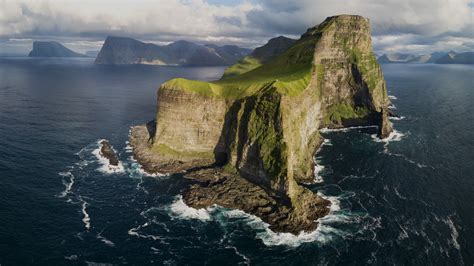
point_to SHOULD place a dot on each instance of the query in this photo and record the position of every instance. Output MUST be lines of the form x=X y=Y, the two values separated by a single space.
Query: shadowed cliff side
x=249 y=139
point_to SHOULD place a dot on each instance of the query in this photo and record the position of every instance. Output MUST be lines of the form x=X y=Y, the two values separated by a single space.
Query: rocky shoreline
x=217 y=185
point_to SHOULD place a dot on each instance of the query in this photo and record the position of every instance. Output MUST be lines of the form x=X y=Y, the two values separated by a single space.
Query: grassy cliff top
x=290 y=72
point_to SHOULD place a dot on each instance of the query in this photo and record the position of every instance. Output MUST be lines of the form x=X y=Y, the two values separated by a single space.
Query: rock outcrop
x=121 y=50
x=52 y=49
x=248 y=140
x=108 y=153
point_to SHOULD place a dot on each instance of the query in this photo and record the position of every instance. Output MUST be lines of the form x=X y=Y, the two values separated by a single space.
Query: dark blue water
x=406 y=201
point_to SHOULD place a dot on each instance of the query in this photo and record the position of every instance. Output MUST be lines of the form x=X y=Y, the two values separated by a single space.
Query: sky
x=407 y=26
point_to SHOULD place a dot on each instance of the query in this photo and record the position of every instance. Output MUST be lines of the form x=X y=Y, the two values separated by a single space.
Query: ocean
x=404 y=201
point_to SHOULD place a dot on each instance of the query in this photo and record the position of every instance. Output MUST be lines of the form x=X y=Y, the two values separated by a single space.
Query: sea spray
x=224 y=216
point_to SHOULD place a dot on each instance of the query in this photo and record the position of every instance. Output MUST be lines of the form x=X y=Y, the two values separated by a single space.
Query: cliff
x=248 y=140
x=120 y=50
x=52 y=49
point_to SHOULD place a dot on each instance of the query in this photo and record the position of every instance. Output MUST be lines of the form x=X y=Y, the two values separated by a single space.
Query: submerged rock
x=248 y=140
x=108 y=152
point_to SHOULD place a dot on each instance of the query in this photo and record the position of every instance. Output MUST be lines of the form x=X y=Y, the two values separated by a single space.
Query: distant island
x=247 y=141
x=121 y=50
x=52 y=49
x=433 y=58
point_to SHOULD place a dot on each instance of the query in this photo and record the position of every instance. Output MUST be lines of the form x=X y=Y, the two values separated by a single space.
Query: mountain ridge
x=123 y=50
x=52 y=49
x=433 y=58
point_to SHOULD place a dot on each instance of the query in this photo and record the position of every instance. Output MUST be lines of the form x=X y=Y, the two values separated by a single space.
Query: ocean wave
x=395 y=135
x=135 y=232
x=106 y=167
x=391 y=97
x=72 y=257
x=105 y=240
x=396 y=118
x=181 y=210
x=404 y=157
x=135 y=169
x=398 y=194
x=67 y=184
x=238 y=253
x=318 y=168
x=86 y=219
x=324 y=233
x=454 y=233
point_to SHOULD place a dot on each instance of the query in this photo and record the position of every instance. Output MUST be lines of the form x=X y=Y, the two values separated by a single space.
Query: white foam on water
x=454 y=233
x=344 y=129
x=391 y=97
x=395 y=135
x=86 y=220
x=398 y=194
x=269 y=237
x=106 y=167
x=404 y=157
x=136 y=168
x=105 y=240
x=72 y=257
x=317 y=169
x=67 y=185
x=238 y=253
x=323 y=234
x=392 y=107
x=134 y=232
x=181 y=210
x=396 y=118
x=327 y=142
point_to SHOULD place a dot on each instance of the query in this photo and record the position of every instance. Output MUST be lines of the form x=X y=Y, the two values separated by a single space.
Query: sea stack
x=248 y=140
x=108 y=153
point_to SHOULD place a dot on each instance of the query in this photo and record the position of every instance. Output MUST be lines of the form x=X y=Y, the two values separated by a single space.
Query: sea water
x=404 y=200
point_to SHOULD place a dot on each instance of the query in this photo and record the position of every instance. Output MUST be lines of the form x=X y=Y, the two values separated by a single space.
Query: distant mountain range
x=52 y=49
x=121 y=50
x=434 y=58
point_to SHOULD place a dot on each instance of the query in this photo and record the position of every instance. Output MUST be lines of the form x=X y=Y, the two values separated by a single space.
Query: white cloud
x=397 y=24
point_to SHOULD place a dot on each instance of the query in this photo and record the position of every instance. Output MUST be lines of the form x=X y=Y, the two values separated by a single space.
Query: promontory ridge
x=248 y=140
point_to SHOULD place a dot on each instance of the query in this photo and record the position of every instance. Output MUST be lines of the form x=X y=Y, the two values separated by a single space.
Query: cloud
x=397 y=24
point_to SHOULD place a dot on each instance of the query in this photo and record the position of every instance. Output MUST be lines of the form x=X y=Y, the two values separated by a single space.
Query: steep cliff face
x=263 y=125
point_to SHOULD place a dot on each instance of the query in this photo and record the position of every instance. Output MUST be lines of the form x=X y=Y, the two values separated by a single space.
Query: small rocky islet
x=248 y=140
x=108 y=153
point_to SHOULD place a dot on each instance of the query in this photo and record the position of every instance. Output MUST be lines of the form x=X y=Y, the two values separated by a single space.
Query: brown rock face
x=107 y=151
x=249 y=149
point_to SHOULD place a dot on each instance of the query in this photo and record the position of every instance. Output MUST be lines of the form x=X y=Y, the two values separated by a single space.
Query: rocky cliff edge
x=249 y=140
